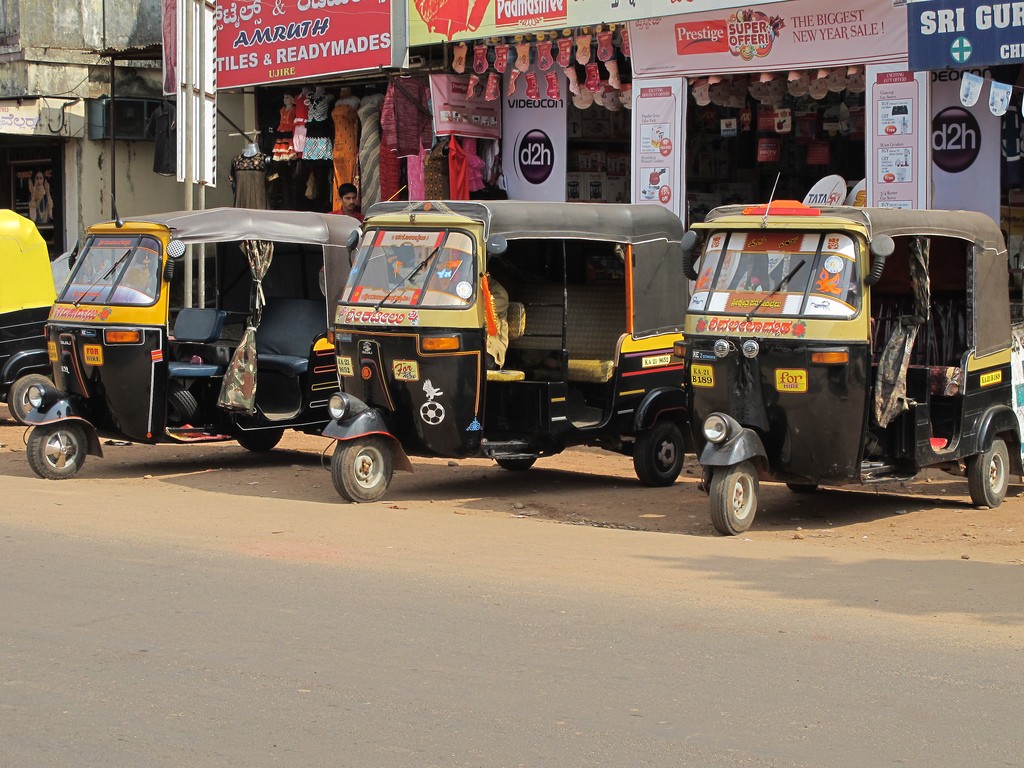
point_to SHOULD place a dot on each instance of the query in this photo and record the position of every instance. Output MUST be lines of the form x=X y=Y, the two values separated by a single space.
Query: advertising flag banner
x=964 y=33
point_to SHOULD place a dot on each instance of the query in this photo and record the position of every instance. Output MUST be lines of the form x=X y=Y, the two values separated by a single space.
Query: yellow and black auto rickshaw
x=849 y=345
x=191 y=327
x=26 y=295
x=596 y=300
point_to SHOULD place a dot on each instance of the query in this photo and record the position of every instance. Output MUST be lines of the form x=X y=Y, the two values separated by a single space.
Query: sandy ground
x=930 y=517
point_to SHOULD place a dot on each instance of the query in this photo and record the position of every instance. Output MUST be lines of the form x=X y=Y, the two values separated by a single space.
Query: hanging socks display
x=493 y=89
x=582 y=49
x=625 y=43
x=480 y=58
x=553 y=91
x=459 y=62
x=544 y=60
x=532 y=86
x=613 y=74
x=564 y=51
x=604 y=46
x=522 y=56
x=501 y=57
x=574 y=83
x=593 y=77
x=474 y=80
x=512 y=79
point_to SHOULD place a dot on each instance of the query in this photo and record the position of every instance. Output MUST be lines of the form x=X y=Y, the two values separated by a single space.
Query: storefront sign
x=659 y=114
x=432 y=21
x=793 y=34
x=897 y=136
x=20 y=117
x=533 y=146
x=260 y=43
x=965 y=150
x=947 y=33
x=458 y=113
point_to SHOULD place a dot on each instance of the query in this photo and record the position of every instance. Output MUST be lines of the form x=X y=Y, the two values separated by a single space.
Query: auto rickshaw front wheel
x=658 y=454
x=517 y=464
x=733 y=497
x=988 y=475
x=361 y=469
x=57 y=451
x=260 y=441
x=17 y=395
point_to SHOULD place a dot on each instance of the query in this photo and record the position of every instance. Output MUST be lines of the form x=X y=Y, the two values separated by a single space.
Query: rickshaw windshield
x=794 y=274
x=115 y=270
x=421 y=268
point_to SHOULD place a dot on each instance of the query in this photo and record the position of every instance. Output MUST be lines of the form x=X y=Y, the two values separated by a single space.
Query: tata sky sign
x=947 y=33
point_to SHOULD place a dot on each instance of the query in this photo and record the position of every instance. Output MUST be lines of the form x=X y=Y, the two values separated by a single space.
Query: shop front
x=769 y=100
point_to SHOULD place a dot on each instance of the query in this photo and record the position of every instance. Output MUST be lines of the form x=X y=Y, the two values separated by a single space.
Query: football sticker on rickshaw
x=464 y=290
x=702 y=375
x=406 y=370
x=432 y=412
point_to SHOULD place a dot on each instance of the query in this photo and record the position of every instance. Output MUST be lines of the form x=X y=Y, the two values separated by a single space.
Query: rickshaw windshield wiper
x=407 y=278
x=106 y=275
x=776 y=289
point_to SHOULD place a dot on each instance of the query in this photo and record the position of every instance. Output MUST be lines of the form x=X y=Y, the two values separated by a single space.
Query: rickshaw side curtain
x=891 y=382
x=238 y=392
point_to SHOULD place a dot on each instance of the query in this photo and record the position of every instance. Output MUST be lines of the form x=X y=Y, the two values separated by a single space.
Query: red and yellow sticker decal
x=406 y=370
x=92 y=354
x=790 y=380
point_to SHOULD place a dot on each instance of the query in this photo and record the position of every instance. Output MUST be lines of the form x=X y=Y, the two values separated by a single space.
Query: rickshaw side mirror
x=175 y=251
x=690 y=243
x=882 y=247
x=496 y=245
x=353 y=239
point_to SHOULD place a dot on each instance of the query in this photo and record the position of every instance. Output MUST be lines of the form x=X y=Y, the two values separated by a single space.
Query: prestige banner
x=261 y=43
x=432 y=21
x=796 y=34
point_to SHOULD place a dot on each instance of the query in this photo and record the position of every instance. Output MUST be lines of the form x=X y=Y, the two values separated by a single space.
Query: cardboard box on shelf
x=592 y=187
x=591 y=159
x=573 y=187
x=617 y=163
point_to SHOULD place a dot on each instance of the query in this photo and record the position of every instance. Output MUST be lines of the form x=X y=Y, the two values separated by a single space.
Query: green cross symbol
x=960 y=50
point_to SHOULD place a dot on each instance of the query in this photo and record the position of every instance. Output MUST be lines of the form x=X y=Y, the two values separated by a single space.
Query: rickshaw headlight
x=35 y=396
x=722 y=348
x=337 y=406
x=716 y=428
x=750 y=348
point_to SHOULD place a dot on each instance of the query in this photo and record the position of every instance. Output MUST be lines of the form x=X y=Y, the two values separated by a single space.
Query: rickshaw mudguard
x=369 y=422
x=657 y=402
x=65 y=409
x=745 y=445
x=23 y=363
x=997 y=420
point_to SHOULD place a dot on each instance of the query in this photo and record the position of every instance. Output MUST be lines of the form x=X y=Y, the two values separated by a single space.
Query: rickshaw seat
x=516 y=320
x=287 y=331
x=506 y=375
x=196 y=325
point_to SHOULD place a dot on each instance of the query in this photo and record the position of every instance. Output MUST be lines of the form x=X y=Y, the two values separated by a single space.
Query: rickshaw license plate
x=406 y=370
x=92 y=354
x=345 y=366
x=702 y=375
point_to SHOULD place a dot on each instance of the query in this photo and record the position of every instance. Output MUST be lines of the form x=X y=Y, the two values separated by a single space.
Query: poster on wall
x=659 y=114
x=34 y=195
x=457 y=112
x=965 y=145
x=797 y=34
x=897 y=135
x=533 y=144
x=261 y=43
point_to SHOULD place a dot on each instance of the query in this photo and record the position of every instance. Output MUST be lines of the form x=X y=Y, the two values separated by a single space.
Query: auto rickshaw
x=832 y=346
x=26 y=295
x=597 y=297
x=190 y=327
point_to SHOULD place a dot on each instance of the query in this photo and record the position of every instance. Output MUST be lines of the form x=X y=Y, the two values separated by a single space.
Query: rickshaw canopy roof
x=25 y=262
x=519 y=219
x=222 y=225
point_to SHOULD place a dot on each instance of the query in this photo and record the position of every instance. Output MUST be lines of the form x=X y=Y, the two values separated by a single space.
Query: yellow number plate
x=406 y=370
x=790 y=380
x=345 y=366
x=988 y=379
x=702 y=376
x=93 y=354
x=655 y=361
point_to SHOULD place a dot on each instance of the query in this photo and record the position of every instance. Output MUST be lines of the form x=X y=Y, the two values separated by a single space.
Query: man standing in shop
x=349 y=196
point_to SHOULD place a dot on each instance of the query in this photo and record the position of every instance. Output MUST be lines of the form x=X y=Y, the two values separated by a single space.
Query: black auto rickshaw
x=191 y=327
x=26 y=295
x=596 y=303
x=849 y=345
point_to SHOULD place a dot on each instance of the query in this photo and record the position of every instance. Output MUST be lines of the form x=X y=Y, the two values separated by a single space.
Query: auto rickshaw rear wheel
x=57 y=451
x=658 y=454
x=518 y=464
x=17 y=395
x=988 y=475
x=361 y=469
x=260 y=441
x=734 y=497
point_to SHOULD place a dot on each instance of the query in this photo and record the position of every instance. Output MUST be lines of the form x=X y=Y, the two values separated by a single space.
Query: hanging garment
x=319 y=129
x=284 y=149
x=475 y=165
x=162 y=126
x=346 y=143
x=405 y=118
x=414 y=172
x=369 y=149
x=458 y=171
x=249 y=180
x=301 y=117
x=436 y=173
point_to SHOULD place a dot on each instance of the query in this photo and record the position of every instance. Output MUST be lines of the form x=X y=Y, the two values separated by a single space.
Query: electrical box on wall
x=131 y=117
